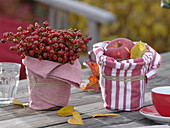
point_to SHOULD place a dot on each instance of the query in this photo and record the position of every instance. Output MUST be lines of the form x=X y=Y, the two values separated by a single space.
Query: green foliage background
x=137 y=20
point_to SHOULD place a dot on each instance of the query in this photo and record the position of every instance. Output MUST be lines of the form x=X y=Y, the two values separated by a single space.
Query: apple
x=119 y=48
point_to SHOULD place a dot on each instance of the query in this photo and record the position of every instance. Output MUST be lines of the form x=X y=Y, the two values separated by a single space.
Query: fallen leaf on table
x=93 y=84
x=138 y=50
x=104 y=115
x=66 y=111
x=94 y=68
x=77 y=119
x=16 y=102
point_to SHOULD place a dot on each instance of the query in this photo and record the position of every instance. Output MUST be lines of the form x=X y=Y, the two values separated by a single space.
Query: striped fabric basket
x=123 y=82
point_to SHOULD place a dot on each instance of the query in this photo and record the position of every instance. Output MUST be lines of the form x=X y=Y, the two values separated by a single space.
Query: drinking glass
x=9 y=79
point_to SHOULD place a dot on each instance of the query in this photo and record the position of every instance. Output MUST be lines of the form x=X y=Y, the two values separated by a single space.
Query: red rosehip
x=23 y=56
x=60 y=52
x=18 y=33
x=71 y=62
x=45 y=23
x=66 y=54
x=83 y=47
x=89 y=38
x=78 y=50
x=50 y=42
x=29 y=45
x=22 y=37
x=45 y=55
x=73 y=34
x=33 y=46
x=40 y=57
x=41 y=44
x=31 y=53
x=33 y=33
x=50 y=35
x=55 y=39
x=52 y=52
x=37 y=25
x=3 y=41
x=6 y=34
x=54 y=57
x=36 y=43
x=66 y=49
x=9 y=39
x=77 y=56
x=11 y=33
x=36 y=37
x=45 y=34
x=41 y=47
x=61 y=45
x=48 y=28
x=24 y=45
x=85 y=40
x=51 y=56
x=48 y=48
x=55 y=46
x=18 y=46
x=79 y=35
x=25 y=32
x=42 y=29
x=70 y=48
x=29 y=28
x=70 y=58
x=71 y=52
x=74 y=42
x=59 y=59
x=12 y=48
x=39 y=52
x=44 y=40
x=57 y=34
x=19 y=28
x=64 y=60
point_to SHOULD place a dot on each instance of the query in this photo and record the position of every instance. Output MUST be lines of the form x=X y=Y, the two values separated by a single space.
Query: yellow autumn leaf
x=77 y=119
x=16 y=102
x=138 y=50
x=66 y=111
x=104 y=115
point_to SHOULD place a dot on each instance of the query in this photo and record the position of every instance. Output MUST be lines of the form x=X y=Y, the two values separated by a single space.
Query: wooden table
x=86 y=103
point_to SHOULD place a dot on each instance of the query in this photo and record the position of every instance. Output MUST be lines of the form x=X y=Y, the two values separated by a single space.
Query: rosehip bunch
x=45 y=43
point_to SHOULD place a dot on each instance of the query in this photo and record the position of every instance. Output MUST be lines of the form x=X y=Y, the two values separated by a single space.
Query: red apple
x=119 y=48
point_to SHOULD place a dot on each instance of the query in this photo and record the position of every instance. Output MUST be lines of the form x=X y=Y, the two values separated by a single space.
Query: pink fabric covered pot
x=50 y=82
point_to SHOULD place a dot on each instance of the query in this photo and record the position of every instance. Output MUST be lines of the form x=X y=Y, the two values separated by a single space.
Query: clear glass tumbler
x=9 y=79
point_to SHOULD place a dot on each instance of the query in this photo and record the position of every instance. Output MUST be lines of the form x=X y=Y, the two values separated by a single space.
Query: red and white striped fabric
x=123 y=83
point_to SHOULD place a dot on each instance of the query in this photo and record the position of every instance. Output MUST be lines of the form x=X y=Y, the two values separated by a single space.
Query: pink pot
x=50 y=82
x=46 y=93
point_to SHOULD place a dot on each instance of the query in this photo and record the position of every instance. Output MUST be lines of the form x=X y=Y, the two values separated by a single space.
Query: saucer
x=151 y=113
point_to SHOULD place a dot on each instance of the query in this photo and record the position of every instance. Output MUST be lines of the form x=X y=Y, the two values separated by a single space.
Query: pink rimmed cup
x=161 y=100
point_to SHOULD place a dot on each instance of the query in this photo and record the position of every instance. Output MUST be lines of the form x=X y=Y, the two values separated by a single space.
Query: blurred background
x=143 y=20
